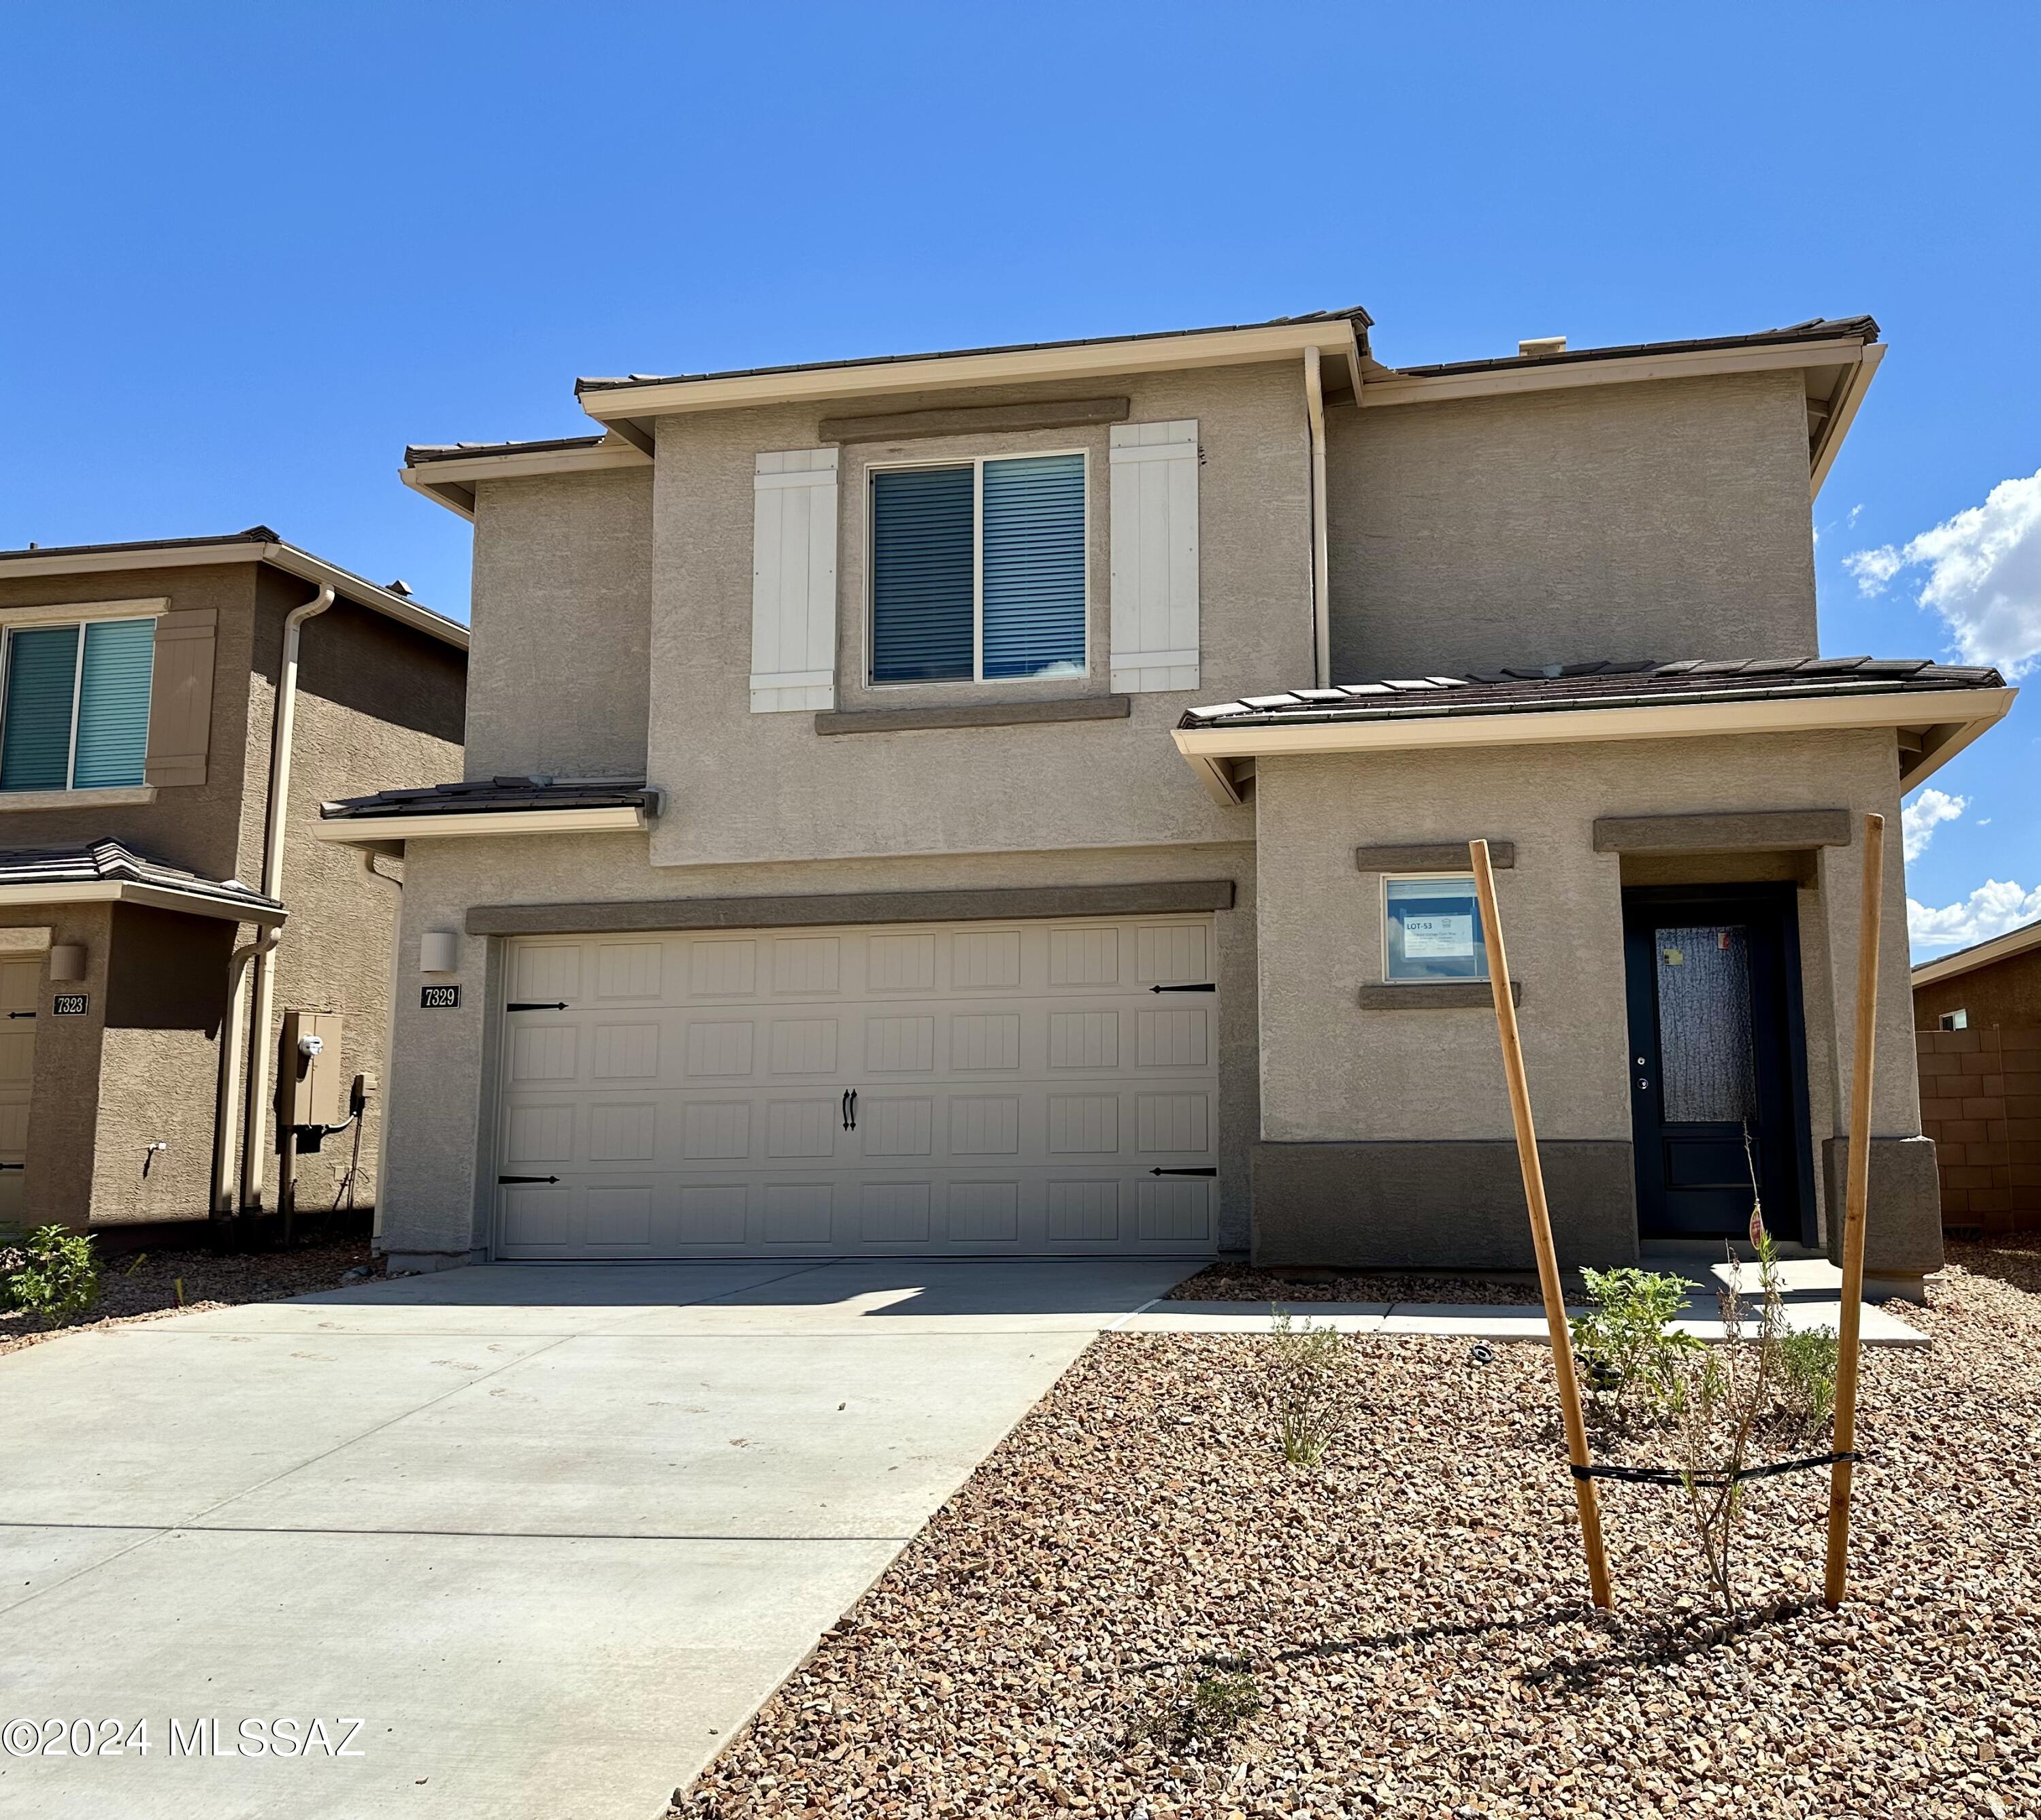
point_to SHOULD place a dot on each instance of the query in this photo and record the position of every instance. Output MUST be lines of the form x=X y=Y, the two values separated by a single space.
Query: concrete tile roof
x=110 y=862
x=1544 y=689
x=496 y=796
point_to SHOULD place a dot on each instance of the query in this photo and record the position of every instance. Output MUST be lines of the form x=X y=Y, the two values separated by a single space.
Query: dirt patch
x=144 y=1287
x=1241 y=1282
x=1134 y=1607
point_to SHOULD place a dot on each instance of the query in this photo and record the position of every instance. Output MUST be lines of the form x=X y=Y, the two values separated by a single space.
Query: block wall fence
x=1980 y=1102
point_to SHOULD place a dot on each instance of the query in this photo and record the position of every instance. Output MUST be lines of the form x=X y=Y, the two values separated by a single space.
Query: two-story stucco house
x=171 y=716
x=1017 y=800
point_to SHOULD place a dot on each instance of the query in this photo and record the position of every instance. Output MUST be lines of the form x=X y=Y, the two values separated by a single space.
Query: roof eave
x=135 y=892
x=287 y=557
x=451 y=480
x=1948 y=720
x=1980 y=954
x=1395 y=387
x=627 y=409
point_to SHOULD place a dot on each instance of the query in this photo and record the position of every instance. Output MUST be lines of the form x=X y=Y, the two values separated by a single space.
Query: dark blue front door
x=1716 y=1055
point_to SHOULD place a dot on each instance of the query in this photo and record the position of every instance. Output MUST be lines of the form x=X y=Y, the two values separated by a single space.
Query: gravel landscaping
x=1135 y=1608
x=144 y=1287
x=1242 y=1283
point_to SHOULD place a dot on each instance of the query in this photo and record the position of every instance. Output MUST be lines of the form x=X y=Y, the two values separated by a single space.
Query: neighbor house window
x=74 y=712
x=977 y=570
x=1432 y=928
x=1955 y=1019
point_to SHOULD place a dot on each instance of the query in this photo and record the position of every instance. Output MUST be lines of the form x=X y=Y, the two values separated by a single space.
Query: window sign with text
x=1432 y=928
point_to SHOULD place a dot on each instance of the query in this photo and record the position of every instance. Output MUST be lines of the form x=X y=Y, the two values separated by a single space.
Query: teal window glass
x=114 y=704
x=1433 y=930
x=35 y=731
x=76 y=711
x=1034 y=566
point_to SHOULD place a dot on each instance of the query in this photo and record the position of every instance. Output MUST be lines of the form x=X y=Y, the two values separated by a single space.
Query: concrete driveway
x=522 y=1540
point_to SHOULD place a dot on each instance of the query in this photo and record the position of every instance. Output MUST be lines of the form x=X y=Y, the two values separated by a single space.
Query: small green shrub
x=58 y=1276
x=1628 y=1347
x=1805 y=1391
x=1221 y=1704
x=1213 y=1708
x=1312 y=1387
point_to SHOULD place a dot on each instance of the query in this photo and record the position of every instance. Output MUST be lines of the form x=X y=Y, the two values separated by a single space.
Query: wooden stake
x=1856 y=1197
x=1541 y=1227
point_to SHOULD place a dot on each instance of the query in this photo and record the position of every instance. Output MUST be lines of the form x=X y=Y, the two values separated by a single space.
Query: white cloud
x=1920 y=818
x=1984 y=574
x=1994 y=907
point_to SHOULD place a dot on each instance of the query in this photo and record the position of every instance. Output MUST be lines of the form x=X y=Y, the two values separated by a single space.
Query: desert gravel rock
x=142 y=1286
x=1413 y=1613
x=1242 y=1283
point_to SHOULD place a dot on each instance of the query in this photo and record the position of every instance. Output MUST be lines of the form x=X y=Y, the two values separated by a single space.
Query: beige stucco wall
x=745 y=788
x=440 y=1146
x=559 y=676
x=1661 y=521
x=1333 y=1071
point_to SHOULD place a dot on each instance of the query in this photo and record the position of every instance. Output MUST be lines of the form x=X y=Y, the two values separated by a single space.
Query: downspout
x=254 y=1128
x=233 y=1029
x=1321 y=611
x=396 y=965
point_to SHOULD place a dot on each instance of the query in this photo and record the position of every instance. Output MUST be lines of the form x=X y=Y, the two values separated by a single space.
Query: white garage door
x=973 y=1089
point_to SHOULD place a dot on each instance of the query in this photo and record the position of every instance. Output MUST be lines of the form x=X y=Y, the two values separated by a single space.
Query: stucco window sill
x=1435 y=995
x=112 y=798
x=974 y=714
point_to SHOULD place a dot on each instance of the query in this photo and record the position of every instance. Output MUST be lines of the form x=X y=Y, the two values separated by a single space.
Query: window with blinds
x=74 y=708
x=977 y=570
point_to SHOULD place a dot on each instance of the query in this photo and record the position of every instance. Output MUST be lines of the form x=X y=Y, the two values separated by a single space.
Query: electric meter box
x=312 y=1087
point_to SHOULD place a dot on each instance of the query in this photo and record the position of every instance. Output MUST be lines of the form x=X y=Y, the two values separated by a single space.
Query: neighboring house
x=1994 y=983
x=152 y=906
x=1017 y=800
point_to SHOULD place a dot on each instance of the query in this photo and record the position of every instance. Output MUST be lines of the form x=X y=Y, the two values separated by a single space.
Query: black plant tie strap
x=1671 y=1475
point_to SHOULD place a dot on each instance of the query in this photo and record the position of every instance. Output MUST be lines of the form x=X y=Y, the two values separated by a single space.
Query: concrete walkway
x=547 y=1533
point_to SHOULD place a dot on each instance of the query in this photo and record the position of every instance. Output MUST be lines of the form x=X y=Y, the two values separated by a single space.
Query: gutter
x=276 y=812
x=1321 y=611
x=361 y=830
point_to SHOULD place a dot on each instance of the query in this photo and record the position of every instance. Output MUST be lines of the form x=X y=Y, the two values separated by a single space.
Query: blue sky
x=252 y=251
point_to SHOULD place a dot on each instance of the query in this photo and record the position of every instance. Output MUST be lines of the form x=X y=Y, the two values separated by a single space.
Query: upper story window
x=1432 y=928
x=977 y=570
x=74 y=710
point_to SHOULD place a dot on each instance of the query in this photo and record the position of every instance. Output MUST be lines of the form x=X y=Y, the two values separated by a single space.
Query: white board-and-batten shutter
x=1154 y=556
x=793 y=581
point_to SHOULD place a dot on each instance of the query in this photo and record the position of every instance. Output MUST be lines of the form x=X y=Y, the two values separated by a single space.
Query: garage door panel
x=1014 y=1087
x=626 y=1052
x=719 y=1047
x=629 y=970
x=722 y=969
x=803 y=1046
x=801 y=1127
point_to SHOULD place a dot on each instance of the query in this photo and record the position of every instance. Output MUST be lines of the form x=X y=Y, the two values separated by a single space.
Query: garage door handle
x=1183 y=1172
x=12 y=1166
x=850 y=1110
x=536 y=1004
x=20 y=1014
x=1208 y=986
x=505 y=1178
